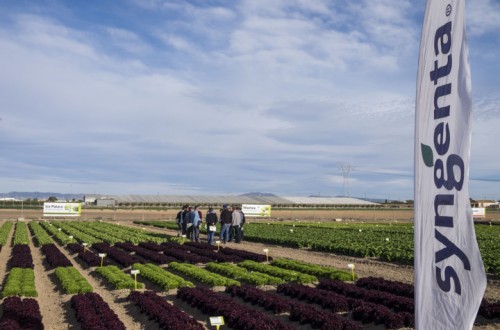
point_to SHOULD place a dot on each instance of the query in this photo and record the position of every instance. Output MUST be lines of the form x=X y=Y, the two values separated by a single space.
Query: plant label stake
x=351 y=266
x=135 y=272
x=84 y=247
x=102 y=255
x=266 y=251
x=70 y=238
x=216 y=321
x=218 y=245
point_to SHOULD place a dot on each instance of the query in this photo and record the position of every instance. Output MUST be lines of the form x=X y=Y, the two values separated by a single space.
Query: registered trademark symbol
x=448 y=10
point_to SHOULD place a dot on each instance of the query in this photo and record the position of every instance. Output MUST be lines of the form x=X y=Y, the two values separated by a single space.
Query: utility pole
x=345 y=169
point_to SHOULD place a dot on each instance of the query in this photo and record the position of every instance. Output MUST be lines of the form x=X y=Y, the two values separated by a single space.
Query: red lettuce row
x=398 y=303
x=321 y=319
x=246 y=255
x=186 y=256
x=74 y=247
x=381 y=284
x=94 y=313
x=123 y=258
x=150 y=255
x=374 y=313
x=236 y=315
x=55 y=258
x=92 y=259
x=151 y=246
x=21 y=314
x=21 y=257
x=327 y=299
x=489 y=310
x=269 y=301
x=167 y=315
x=203 y=250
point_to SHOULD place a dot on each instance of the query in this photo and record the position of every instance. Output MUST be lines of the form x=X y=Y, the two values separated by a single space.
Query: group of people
x=231 y=219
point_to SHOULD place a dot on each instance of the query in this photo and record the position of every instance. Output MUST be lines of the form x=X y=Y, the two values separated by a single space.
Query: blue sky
x=227 y=97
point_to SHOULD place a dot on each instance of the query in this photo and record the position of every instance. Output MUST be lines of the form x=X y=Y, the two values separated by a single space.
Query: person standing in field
x=211 y=219
x=242 y=233
x=197 y=220
x=235 y=225
x=179 y=220
x=189 y=219
x=225 y=219
x=184 y=219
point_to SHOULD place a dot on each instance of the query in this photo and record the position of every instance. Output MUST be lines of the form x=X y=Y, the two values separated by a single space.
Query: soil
x=57 y=313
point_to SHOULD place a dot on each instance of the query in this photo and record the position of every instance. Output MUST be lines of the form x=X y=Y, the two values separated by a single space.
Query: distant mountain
x=40 y=195
x=258 y=194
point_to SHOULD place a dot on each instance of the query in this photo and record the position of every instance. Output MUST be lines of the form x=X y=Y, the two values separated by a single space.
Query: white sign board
x=256 y=210
x=62 y=209
x=478 y=212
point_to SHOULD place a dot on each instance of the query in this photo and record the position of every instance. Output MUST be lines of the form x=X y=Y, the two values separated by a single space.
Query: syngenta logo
x=448 y=168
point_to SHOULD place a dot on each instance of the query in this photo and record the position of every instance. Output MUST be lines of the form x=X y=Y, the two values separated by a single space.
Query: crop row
x=4 y=232
x=157 y=308
x=236 y=315
x=285 y=274
x=41 y=237
x=72 y=281
x=20 y=282
x=123 y=258
x=21 y=257
x=161 y=277
x=153 y=256
x=94 y=313
x=315 y=270
x=202 y=275
x=21 y=314
x=243 y=275
x=201 y=250
x=55 y=258
x=21 y=234
x=118 y=278
x=56 y=233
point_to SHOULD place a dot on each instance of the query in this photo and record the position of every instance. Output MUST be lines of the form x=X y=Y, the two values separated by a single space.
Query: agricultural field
x=296 y=275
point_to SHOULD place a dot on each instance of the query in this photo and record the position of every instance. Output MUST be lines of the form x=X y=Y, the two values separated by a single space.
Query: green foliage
x=59 y=235
x=21 y=234
x=202 y=275
x=20 y=282
x=5 y=231
x=311 y=269
x=243 y=275
x=285 y=274
x=72 y=281
x=161 y=277
x=41 y=236
x=118 y=278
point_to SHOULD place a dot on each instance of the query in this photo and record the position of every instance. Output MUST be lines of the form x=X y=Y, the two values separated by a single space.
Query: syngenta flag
x=449 y=273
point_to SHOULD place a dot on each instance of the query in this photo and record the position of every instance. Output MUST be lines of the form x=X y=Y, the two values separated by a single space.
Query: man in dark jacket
x=225 y=218
x=211 y=223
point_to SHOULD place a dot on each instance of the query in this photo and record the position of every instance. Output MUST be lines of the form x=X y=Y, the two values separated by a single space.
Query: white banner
x=256 y=210
x=62 y=209
x=449 y=275
x=478 y=212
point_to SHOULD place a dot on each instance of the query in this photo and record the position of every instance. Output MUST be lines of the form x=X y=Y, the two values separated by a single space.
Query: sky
x=213 y=97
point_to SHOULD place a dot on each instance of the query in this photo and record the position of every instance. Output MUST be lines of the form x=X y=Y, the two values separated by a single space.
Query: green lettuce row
x=41 y=236
x=285 y=274
x=72 y=281
x=5 y=231
x=202 y=275
x=118 y=278
x=21 y=234
x=161 y=277
x=59 y=235
x=20 y=282
x=311 y=269
x=243 y=275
